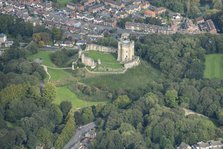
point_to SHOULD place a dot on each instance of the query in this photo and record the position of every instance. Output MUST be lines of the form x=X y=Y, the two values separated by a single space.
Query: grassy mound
x=134 y=78
x=108 y=60
x=214 y=66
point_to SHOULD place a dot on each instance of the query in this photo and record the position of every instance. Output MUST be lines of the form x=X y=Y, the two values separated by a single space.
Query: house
x=149 y=13
x=199 y=20
x=3 y=38
x=88 y=2
x=160 y=10
x=8 y=43
x=184 y=146
x=144 y=5
x=207 y=26
x=114 y=4
x=71 y=6
x=211 y=26
x=96 y=8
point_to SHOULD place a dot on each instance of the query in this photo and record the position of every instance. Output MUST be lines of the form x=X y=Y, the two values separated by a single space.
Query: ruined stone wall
x=88 y=61
x=132 y=63
x=94 y=47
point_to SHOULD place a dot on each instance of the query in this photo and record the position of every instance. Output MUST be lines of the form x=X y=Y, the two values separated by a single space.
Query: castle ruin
x=125 y=49
x=125 y=53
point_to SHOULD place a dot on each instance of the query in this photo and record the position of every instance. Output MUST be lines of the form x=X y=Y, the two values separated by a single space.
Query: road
x=79 y=134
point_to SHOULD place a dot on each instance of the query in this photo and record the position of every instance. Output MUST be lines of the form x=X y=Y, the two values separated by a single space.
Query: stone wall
x=88 y=61
x=132 y=63
x=94 y=47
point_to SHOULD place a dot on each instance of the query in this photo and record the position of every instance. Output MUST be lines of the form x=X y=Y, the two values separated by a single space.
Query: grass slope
x=107 y=59
x=64 y=94
x=214 y=66
x=134 y=78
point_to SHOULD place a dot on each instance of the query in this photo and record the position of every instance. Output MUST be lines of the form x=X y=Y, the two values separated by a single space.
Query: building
x=149 y=13
x=184 y=146
x=3 y=38
x=96 y=8
x=125 y=49
x=208 y=26
x=71 y=6
x=114 y=4
x=160 y=10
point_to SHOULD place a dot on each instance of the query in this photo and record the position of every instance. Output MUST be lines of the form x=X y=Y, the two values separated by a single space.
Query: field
x=55 y=74
x=63 y=77
x=214 y=66
x=134 y=78
x=107 y=59
x=64 y=94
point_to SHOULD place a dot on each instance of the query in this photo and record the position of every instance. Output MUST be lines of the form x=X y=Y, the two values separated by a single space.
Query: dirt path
x=46 y=70
x=190 y=112
x=106 y=72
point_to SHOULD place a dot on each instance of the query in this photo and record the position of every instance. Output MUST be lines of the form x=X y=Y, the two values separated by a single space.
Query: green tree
x=122 y=101
x=49 y=92
x=171 y=98
x=45 y=137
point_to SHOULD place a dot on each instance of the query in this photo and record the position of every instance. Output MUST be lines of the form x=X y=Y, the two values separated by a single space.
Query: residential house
x=96 y=8
x=114 y=4
x=88 y=2
x=207 y=26
x=160 y=10
x=199 y=20
x=149 y=13
x=71 y=6
x=184 y=146
x=132 y=9
x=144 y=5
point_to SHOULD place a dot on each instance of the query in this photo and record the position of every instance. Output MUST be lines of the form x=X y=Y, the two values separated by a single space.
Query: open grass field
x=107 y=59
x=134 y=78
x=63 y=94
x=55 y=74
x=214 y=66
x=59 y=75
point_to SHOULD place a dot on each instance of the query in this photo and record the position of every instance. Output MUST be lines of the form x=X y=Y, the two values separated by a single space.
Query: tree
x=66 y=133
x=49 y=92
x=122 y=101
x=65 y=107
x=56 y=34
x=171 y=97
x=45 y=137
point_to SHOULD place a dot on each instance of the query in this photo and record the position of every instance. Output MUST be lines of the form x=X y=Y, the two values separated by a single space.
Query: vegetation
x=64 y=94
x=213 y=66
x=134 y=78
x=107 y=60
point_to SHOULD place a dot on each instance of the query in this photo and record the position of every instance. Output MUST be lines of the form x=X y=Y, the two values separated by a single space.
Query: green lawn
x=107 y=59
x=56 y=75
x=63 y=94
x=137 y=77
x=214 y=66
x=45 y=56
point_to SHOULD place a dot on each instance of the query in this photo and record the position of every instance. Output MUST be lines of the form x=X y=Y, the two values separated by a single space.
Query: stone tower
x=125 y=49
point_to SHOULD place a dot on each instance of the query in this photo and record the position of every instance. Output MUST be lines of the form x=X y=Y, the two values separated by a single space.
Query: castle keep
x=125 y=49
x=125 y=53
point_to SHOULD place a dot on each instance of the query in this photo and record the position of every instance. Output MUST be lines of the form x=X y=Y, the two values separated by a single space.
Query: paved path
x=79 y=134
